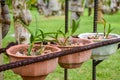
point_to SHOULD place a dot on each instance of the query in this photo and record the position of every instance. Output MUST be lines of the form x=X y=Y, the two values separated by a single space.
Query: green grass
x=108 y=70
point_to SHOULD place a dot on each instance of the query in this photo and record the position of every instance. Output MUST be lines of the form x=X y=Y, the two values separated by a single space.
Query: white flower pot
x=103 y=52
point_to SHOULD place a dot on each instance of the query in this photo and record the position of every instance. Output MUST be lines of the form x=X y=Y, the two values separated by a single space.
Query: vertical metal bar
x=65 y=74
x=95 y=63
x=66 y=15
x=95 y=15
x=95 y=30
x=66 y=30
x=94 y=70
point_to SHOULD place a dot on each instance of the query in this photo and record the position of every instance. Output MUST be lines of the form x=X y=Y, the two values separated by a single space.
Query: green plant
x=108 y=31
x=105 y=30
x=37 y=36
x=66 y=36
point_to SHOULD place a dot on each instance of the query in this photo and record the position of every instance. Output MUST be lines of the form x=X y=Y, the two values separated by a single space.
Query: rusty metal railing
x=62 y=53
x=57 y=54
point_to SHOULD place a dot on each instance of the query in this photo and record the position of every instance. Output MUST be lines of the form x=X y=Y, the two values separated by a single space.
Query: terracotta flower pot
x=36 y=71
x=74 y=60
x=103 y=52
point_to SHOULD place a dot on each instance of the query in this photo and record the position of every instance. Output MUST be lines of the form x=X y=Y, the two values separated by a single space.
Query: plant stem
x=30 y=49
x=104 y=30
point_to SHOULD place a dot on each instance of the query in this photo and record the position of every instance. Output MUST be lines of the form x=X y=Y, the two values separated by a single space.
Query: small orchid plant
x=66 y=36
x=106 y=31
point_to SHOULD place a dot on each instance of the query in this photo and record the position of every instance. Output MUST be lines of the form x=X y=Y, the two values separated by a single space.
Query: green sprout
x=66 y=36
x=106 y=32
x=37 y=36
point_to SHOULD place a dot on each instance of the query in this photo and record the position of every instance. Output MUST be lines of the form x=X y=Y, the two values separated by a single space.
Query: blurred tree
x=54 y=6
x=62 y=2
x=22 y=17
x=90 y=6
x=100 y=13
x=77 y=9
x=43 y=8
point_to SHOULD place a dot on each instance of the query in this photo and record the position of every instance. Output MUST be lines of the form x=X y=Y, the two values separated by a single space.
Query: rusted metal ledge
x=57 y=54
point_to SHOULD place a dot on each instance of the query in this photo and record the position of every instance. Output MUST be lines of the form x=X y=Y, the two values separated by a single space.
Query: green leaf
x=75 y=25
x=62 y=33
x=42 y=34
x=31 y=38
x=30 y=49
x=104 y=23
x=109 y=31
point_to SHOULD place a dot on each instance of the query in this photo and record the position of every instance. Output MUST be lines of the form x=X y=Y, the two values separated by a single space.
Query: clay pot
x=35 y=71
x=103 y=52
x=75 y=60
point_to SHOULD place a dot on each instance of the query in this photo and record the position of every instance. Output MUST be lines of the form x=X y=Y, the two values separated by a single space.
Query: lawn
x=108 y=70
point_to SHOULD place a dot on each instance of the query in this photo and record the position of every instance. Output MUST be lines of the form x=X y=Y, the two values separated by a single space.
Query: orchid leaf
x=42 y=34
x=75 y=25
x=62 y=33
x=109 y=31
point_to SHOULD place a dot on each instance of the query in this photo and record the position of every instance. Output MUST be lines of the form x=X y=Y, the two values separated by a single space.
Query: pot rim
x=89 y=42
x=13 y=55
x=83 y=35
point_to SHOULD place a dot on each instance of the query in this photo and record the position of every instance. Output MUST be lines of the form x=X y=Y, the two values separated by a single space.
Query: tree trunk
x=42 y=8
x=106 y=6
x=90 y=6
x=1 y=58
x=5 y=20
x=22 y=19
x=77 y=9
x=118 y=4
x=63 y=8
x=100 y=13
x=113 y=6
x=54 y=6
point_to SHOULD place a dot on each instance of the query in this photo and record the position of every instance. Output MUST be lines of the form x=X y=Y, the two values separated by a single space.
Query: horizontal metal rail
x=56 y=54
x=3 y=50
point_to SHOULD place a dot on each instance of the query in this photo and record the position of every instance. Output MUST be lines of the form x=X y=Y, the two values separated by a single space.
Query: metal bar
x=98 y=62
x=65 y=74
x=95 y=30
x=66 y=30
x=66 y=15
x=95 y=15
x=3 y=50
x=95 y=63
x=56 y=54
x=93 y=70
